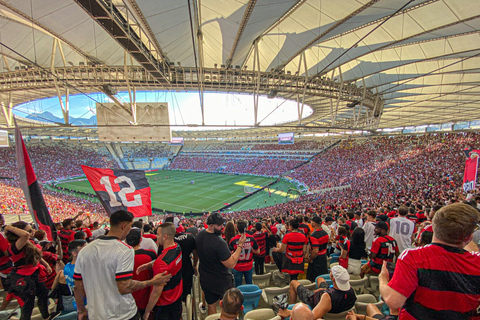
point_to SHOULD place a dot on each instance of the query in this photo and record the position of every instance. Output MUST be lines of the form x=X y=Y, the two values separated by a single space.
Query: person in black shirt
x=188 y=245
x=215 y=260
x=339 y=298
x=357 y=251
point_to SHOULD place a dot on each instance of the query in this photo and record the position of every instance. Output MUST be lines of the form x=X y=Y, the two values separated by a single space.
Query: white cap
x=342 y=278
x=176 y=222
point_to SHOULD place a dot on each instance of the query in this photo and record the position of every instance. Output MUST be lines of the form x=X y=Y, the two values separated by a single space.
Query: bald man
x=301 y=311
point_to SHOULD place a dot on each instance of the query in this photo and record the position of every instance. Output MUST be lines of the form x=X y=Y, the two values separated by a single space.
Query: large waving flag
x=471 y=168
x=121 y=190
x=36 y=205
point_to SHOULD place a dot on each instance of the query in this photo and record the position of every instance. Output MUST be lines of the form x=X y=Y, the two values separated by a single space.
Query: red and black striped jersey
x=295 y=242
x=261 y=238
x=319 y=239
x=170 y=260
x=65 y=237
x=5 y=262
x=439 y=281
x=304 y=228
x=142 y=256
x=245 y=262
x=385 y=248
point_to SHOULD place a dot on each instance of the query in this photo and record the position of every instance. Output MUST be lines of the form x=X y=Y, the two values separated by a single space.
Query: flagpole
x=22 y=172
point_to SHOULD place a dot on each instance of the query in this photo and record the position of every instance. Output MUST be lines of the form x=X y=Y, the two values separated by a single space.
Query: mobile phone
x=391 y=269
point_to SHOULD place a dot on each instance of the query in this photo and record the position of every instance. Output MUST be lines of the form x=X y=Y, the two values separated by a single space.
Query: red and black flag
x=120 y=189
x=36 y=205
x=471 y=168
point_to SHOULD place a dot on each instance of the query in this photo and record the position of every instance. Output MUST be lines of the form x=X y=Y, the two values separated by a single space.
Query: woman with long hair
x=357 y=251
x=229 y=231
x=26 y=258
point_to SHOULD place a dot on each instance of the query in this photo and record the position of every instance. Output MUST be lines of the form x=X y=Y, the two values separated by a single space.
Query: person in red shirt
x=142 y=256
x=66 y=235
x=166 y=301
x=26 y=257
x=440 y=280
x=260 y=235
x=289 y=257
x=81 y=227
x=244 y=266
x=318 y=251
x=384 y=248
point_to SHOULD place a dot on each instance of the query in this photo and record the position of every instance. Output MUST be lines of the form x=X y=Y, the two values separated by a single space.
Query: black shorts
x=170 y=312
x=211 y=297
x=187 y=286
x=306 y=296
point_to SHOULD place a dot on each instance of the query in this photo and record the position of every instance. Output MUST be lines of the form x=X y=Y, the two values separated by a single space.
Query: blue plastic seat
x=334 y=259
x=251 y=296
x=327 y=279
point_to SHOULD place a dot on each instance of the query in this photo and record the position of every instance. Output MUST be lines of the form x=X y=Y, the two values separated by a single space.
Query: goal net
x=250 y=189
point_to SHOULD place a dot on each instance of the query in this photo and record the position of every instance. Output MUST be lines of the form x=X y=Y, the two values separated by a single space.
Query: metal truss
x=127 y=77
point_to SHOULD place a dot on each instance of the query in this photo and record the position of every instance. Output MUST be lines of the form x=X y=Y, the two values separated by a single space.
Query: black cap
x=133 y=236
x=216 y=218
x=317 y=220
x=381 y=225
x=329 y=219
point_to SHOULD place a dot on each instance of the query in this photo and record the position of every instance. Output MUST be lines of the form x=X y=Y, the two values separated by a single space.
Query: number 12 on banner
x=137 y=199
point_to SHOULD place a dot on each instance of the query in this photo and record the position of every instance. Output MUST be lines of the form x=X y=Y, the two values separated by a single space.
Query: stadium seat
x=337 y=316
x=262 y=280
x=326 y=277
x=311 y=286
x=188 y=307
x=261 y=314
x=372 y=285
x=279 y=281
x=333 y=260
x=270 y=292
x=251 y=296
x=328 y=262
x=333 y=264
x=358 y=285
x=269 y=268
x=363 y=300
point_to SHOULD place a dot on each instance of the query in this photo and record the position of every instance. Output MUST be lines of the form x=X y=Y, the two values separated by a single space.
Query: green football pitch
x=210 y=191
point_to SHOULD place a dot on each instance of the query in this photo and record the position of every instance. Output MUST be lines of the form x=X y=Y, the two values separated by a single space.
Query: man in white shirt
x=147 y=243
x=103 y=274
x=369 y=228
x=402 y=229
x=98 y=230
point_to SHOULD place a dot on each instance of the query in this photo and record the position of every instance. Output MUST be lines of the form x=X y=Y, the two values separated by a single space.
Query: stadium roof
x=359 y=64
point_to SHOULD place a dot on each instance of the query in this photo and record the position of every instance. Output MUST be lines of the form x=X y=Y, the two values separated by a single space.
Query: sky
x=184 y=107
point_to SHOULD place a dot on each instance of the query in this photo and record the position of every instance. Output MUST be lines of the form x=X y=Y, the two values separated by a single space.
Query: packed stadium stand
x=340 y=134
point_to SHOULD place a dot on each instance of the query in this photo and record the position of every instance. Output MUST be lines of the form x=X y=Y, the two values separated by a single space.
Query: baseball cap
x=216 y=218
x=133 y=236
x=342 y=278
x=317 y=220
x=329 y=219
x=381 y=225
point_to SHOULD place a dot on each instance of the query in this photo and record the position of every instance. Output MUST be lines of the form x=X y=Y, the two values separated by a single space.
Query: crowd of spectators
x=145 y=151
x=55 y=161
x=267 y=166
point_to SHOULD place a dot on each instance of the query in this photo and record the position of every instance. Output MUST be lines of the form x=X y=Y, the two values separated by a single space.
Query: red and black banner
x=33 y=195
x=471 y=168
x=121 y=190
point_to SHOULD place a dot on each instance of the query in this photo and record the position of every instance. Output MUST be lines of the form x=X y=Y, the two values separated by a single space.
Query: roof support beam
x=115 y=24
x=334 y=115
x=256 y=90
x=241 y=28
x=7 y=110
x=133 y=103
x=300 y=105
